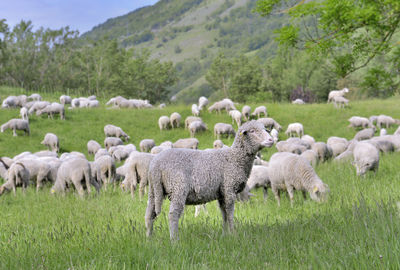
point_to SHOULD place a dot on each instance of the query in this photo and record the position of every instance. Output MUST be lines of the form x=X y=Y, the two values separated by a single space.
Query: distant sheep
x=259 y=178
x=337 y=93
x=246 y=112
x=18 y=175
x=236 y=116
x=65 y=100
x=52 y=142
x=195 y=110
x=24 y=113
x=114 y=131
x=311 y=157
x=190 y=143
x=163 y=122
x=340 y=102
x=270 y=123
x=366 y=158
x=93 y=147
x=175 y=120
x=387 y=121
x=35 y=97
x=197 y=126
x=191 y=119
x=52 y=109
x=298 y=101
x=295 y=128
x=203 y=102
x=259 y=111
x=112 y=141
x=16 y=124
x=359 y=122
x=365 y=134
x=222 y=128
x=146 y=145
x=225 y=104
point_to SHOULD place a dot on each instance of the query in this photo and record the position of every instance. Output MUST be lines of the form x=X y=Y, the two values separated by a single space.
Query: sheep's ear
x=315 y=189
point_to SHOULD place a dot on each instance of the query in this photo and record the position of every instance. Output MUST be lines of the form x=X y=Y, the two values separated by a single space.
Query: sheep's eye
x=251 y=130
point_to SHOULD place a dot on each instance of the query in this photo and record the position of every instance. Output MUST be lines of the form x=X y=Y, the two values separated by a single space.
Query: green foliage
x=178 y=49
x=379 y=83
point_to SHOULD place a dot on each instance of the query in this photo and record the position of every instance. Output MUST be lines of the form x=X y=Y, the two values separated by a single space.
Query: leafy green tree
x=219 y=73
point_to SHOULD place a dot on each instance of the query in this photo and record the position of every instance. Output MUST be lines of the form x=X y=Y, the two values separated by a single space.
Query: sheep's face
x=2 y=128
x=364 y=167
x=320 y=192
x=255 y=135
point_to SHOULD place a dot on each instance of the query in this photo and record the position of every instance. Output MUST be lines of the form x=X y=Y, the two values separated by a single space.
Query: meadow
x=357 y=228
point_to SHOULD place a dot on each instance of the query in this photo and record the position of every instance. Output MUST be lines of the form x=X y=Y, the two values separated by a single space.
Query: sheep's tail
x=156 y=189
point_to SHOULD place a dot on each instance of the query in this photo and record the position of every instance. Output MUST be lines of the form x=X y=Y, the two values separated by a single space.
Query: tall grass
x=358 y=228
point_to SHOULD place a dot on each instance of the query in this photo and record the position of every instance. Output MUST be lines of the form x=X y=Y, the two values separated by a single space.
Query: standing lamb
x=51 y=141
x=93 y=147
x=24 y=113
x=196 y=177
x=196 y=126
x=292 y=172
x=163 y=122
x=337 y=93
x=366 y=158
x=236 y=116
x=295 y=128
x=175 y=120
x=146 y=145
x=222 y=128
x=246 y=111
x=260 y=110
x=341 y=101
x=114 y=131
x=15 y=124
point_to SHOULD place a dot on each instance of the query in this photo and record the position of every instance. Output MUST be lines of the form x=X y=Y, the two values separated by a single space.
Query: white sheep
x=260 y=110
x=52 y=142
x=308 y=139
x=365 y=134
x=270 y=123
x=93 y=147
x=35 y=96
x=275 y=134
x=298 y=101
x=225 y=104
x=175 y=120
x=236 y=116
x=190 y=143
x=137 y=172
x=203 y=102
x=23 y=112
x=9 y=102
x=337 y=93
x=38 y=105
x=64 y=99
x=295 y=128
x=191 y=119
x=340 y=102
x=385 y=120
x=357 y=121
x=114 y=131
x=246 y=112
x=366 y=157
x=222 y=128
x=311 y=157
x=259 y=178
x=100 y=152
x=16 y=124
x=196 y=127
x=112 y=141
x=17 y=175
x=195 y=110
x=163 y=122
x=104 y=170
x=383 y=132
x=292 y=172
x=323 y=151
x=52 y=109
x=146 y=145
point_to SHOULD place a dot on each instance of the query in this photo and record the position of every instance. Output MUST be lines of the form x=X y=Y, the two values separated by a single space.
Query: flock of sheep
x=182 y=173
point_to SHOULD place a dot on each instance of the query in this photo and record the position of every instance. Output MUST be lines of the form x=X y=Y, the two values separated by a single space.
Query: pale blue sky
x=80 y=15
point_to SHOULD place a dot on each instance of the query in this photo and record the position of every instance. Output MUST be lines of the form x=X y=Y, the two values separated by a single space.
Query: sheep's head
x=364 y=166
x=252 y=136
x=2 y=128
x=346 y=90
x=320 y=192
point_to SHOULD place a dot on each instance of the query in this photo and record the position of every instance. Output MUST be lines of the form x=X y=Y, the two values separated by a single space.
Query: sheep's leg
x=304 y=194
x=265 y=193
x=277 y=194
x=221 y=204
x=14 y=132
x=291 y=194
x=150 y=213
x=230 y=209
x=175 y=211
x=142 y=187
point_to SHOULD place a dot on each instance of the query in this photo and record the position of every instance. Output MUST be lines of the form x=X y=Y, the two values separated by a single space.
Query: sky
x=81 y=15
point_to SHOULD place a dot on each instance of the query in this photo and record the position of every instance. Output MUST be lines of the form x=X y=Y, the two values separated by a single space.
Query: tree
x=218 y=74
x=350 y=32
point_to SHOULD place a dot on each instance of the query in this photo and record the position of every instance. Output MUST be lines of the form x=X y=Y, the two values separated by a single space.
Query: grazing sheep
x=260 y=110
x=246 y=112
x=9 y=102
x=72 y=172
x=35 y=97
x=163 y=122
x=39 y=170
x=38 y=105
x=292 y=172
x=16 y=124
x=93 y=147
x=18 y=175
x=112 y=141
x=195 y=110
x=137 y=172
x=298 y=101
x=218 y=144
x=75 y=103
x=334 y=140
x=295 y=128
x=146 y=145
x=366 y=158
x=341 y=101
x=100 y=152
x=225 y=104
x=191 y=119
x=385 y=120
x=93 y=104
x=365 y=134
x=383 y=132
x=337 y=149
x=236 y=116
x=65 y=99
x=308 y=139
x=322 y=150
x=23 y=112
x=222 y=128
x=291 y=147
x=120 y=154
x=196 y=126
x=163 y=146
x=382 y=144
x=270 y=123
x=196 y=177
x=203 y=102
x=373 y=119
x=356 y=122
x=311 y=156
x=189 y=143
x=51 y=141
x=337 y=93
x=175 y=120
x=52 y=109
x=162 y=106
x=104 y=170
x=259 y=178
x=114 y=131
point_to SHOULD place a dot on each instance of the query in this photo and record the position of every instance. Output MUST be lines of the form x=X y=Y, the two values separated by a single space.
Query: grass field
x=358 y=228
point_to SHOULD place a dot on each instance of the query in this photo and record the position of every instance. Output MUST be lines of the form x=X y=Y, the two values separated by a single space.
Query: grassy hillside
x=359 y=226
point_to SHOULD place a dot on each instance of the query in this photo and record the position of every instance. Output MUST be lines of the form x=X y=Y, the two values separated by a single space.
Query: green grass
x=358 y=228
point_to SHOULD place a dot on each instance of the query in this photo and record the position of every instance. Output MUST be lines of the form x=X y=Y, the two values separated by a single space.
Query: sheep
x=311 y=157
x=93 y=147
x=38 y=105
x=337 y=149
x=114 y=131
x=259 y=178
x=175 y=120
x=190 y=143
x=104 y=170
x=236 y=116
x=18 y=175
x=337 y=93
x=260 y=110
x=260 y=162
x=308 y=139
x=120 y=154
x=365 y=134
x=298 y=101
x=93 y=104
x=36 y=97
x=225 y=104
x=163 y=122
x=246 y=112
x=366 y=158
x=292 y=172
x=191 y=119
x=74 y=154
x=203 y=102
x=137 y=172
x=53 y=108
x=100 y=152
x=46 y=153
x=218 y=144
x=112 y=141
x=115 y=101
x=341 y=101
x=146 y=145
x=222 y=128
x=23 y=112
x=16 y=124
x=357 y=121
x=39 y=170
x=385 y=120
x=65 y=99
x=75 y=103
x=163 y=146
x=382 y=144
x=322 y=150
x=196 y=126
x=195 y=110
x=334 y=140
x=72 y=172
x=162 y=106
x=9 y=102
x=196 y=177
x=270 y=123
x=51 y=141
x=373 y=119
x=295 y=128
x=291 y=147
x=383 y=132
